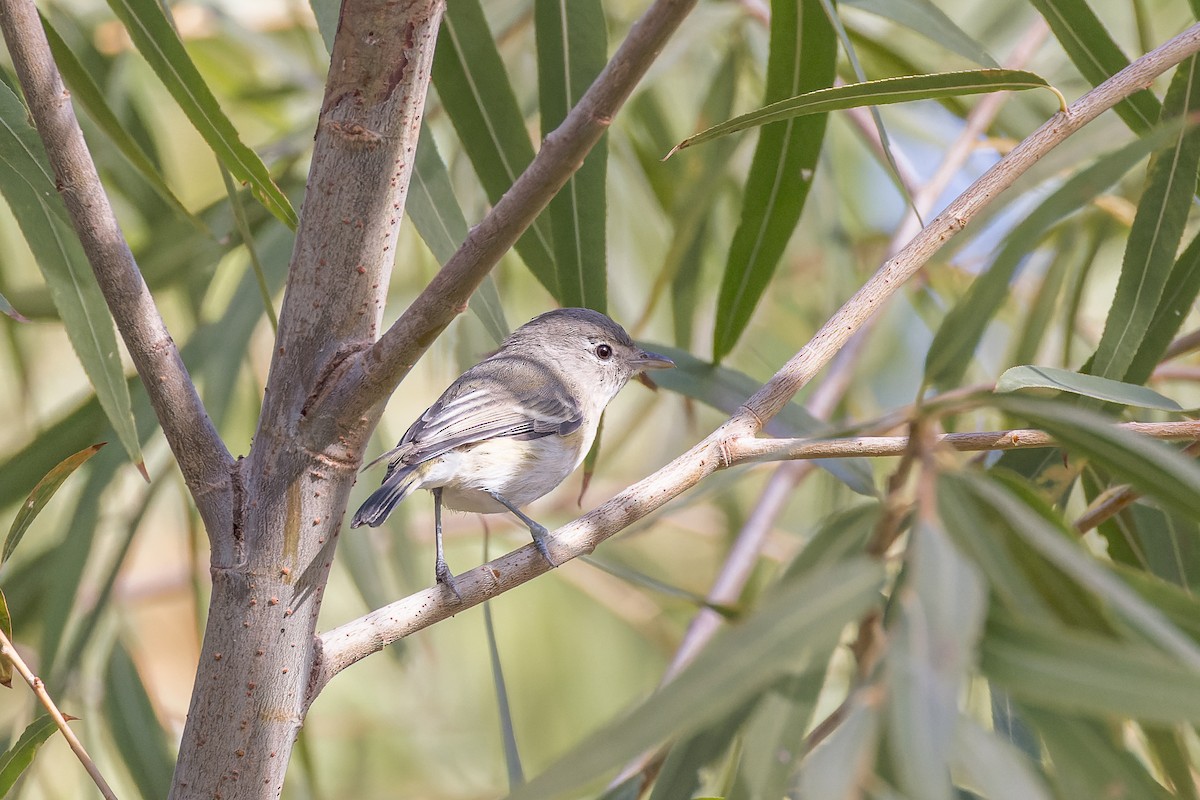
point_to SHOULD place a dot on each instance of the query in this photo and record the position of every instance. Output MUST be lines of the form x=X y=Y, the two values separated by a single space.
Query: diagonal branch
x=373 y=375
x=348 y=643
x=202 y=457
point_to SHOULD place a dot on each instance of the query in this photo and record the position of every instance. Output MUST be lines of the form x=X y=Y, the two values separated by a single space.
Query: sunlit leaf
x=41 y=494
x=571 y=50
x=15 y=760
x=160 y=45
x=1126 y=394
x=885 y=91
x=802 y=58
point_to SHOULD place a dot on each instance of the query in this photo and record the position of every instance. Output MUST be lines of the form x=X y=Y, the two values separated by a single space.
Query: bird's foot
x=540 y=533
x=446 y=578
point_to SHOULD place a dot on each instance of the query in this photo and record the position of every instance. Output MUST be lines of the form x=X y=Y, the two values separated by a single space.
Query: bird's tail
x=396 y=486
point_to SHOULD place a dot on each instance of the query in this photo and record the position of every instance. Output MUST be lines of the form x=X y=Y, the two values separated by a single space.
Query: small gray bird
x=515 y=425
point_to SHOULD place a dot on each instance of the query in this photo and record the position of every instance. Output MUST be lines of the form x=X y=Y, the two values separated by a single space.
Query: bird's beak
x=647 y=360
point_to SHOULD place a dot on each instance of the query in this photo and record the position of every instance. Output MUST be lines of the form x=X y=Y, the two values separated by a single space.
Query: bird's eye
x=603 y=352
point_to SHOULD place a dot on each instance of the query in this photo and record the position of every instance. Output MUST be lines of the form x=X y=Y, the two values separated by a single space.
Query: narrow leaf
x=1096 y=56
x=992 y=767
x=7 y=310
x=89 y=96
x=1060 y=668
x=434 y=211
x=15 y=760
x=474 y=88
x=28 y=185
x=6 y=667
x=1183 y=285
x=1157 y=229
x=512 y=756
x=783 y=635
x=963 y=328
x=903 y=89
x=571 y=50
x=803 y=57
x=41 y=494
x=926 y=19
x=840 y=767
x=158 y=42
x=1126 y=394
x=138 y=734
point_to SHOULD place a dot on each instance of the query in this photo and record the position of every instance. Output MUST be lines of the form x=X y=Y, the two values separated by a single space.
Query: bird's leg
x=537 y=530
x=440 y=569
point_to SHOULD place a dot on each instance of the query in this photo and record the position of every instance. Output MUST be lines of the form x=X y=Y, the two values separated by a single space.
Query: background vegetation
x=998 y=651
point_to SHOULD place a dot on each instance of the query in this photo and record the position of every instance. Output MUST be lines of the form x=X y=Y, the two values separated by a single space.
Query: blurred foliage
x=943 y=634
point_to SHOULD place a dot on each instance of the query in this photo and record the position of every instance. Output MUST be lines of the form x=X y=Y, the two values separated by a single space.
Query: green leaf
x=1152 y=467
x=1157 y=229
x=770 y=749
x=6 y=667
x=837 y=768
x=1168 y=747
x=7 y=310
x=680 y=775
x=886 y=91
x=28 y=185
x=1052 y=542
x=572 y=48
x=1096 y=56
x=726 y=389
x=158 y=42
x=1125 y=394
x=138 y=734
x=1183 y=284
x=924 y=18
x=512 y=755
x=932 y=641
x=962 y=329
x=474 y=88
x=993 y=768
x=15 y=760
x=1059 y=668
x=41 y=494
x=434 y=211
x=1089 y=759
x=783 y=635
x=803 y=57
x=89 y=96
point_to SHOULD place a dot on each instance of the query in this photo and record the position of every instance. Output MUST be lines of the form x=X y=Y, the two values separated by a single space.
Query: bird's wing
x=503 y=396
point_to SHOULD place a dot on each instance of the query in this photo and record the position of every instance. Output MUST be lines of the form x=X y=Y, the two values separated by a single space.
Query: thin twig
x=205 y=462
x=35 y=683
x=354 y=640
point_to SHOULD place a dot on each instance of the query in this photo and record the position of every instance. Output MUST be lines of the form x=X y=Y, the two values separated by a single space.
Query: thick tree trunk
x=254 y=682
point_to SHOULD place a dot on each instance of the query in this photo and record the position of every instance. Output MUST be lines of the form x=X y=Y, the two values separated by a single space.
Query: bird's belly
x=519 y=471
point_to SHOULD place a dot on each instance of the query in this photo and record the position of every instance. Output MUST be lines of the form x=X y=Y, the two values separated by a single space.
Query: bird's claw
x=446 y=578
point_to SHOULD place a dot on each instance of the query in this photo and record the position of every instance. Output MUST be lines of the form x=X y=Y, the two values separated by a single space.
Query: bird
x=514 y=426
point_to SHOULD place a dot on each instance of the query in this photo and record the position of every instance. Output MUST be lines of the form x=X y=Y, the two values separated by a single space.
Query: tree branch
x=206 y=464
x=348 y=643
x=768 y=400
x=374 y=375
